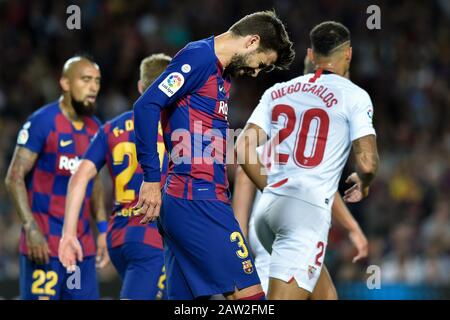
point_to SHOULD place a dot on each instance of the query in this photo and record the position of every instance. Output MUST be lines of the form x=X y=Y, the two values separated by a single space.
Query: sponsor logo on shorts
x=311 y=272
x=247 y=266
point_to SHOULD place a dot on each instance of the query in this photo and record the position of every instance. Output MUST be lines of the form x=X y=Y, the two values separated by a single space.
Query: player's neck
x=332 y=66
x=223 y=48
x=67 y=109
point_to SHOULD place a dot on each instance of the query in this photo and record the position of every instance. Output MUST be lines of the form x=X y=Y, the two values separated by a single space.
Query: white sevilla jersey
x=311 y=121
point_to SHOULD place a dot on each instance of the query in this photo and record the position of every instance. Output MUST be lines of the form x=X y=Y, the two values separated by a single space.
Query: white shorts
x=295 y=233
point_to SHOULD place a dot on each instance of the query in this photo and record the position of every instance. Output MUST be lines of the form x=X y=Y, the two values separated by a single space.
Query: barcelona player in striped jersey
x=49 y=147
x=204 y=250
x=135 y=249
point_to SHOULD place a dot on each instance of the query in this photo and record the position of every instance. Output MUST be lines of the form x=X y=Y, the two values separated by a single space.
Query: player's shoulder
x=348 y=87
x=118 y=121
x=43 y=119
x=200 y=51
x=121 y=118
x=46 y=113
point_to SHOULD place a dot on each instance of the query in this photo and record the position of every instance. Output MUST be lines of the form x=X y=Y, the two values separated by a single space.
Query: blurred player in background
x=245 y=197
x=49 y=147
x=205 y=252
x=311 y=121
x=135 y=249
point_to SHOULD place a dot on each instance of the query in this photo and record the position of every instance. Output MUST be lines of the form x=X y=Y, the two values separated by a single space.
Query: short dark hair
x=272 y=33
x=327 y=36
x=151 y=68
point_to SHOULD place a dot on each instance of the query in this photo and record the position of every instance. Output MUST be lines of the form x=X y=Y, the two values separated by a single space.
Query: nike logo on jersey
x=63 y=143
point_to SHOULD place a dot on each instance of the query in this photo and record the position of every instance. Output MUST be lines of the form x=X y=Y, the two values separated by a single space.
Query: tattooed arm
x=366 y=156
x=21 y=164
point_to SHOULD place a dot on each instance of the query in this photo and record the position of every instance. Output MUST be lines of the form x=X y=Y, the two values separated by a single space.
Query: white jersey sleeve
x=360 y=117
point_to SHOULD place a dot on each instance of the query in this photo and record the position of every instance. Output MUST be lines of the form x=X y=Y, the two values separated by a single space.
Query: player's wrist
x=69 y=235
x=152 y=177
x=102 y=226
x=29 y=225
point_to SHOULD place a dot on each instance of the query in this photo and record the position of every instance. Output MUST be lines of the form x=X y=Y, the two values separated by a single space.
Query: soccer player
x=312 y=122
x=205 y=252
x=135 y=249
x=245 y=197
x=49 y=147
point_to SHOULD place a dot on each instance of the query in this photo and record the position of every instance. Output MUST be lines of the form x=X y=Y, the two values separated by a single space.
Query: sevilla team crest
x=311 y=272
x=247 y=266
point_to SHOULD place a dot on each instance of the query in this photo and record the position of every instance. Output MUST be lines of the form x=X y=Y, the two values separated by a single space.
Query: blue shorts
x=52 y=281
x=205 y=252
x=141 y=268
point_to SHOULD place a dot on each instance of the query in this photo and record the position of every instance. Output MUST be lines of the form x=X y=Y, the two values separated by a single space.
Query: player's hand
x=149 y=202
x=361 y=244
x=356 y=192
x=102 y=258
x=69 y=251
x=38 y=250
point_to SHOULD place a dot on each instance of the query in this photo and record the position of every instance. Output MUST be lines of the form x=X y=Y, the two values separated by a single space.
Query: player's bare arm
x=244 y=194
x=366 y=158
x=21 y=164
x=251 y=137
x=344 y=217
x=69 y=250
x=100 y=216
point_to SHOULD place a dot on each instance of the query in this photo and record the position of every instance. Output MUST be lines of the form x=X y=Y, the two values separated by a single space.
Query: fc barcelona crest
x=247 y=266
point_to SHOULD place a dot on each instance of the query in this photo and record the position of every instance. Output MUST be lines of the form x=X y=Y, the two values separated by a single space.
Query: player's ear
x=252 y=41
x=64 y=83
x=348 y=54
x=140 y=87
x=310 y=56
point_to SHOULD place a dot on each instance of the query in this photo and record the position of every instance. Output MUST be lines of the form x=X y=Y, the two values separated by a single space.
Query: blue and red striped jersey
x=192 y=96
x=115 y=146
x=60 y=144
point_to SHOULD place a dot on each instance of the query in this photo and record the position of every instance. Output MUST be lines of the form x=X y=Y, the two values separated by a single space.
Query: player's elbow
x=8 y=182
x=78 y=181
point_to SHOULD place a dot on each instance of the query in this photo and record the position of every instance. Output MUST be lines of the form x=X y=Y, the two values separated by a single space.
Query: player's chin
x=89 y=108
